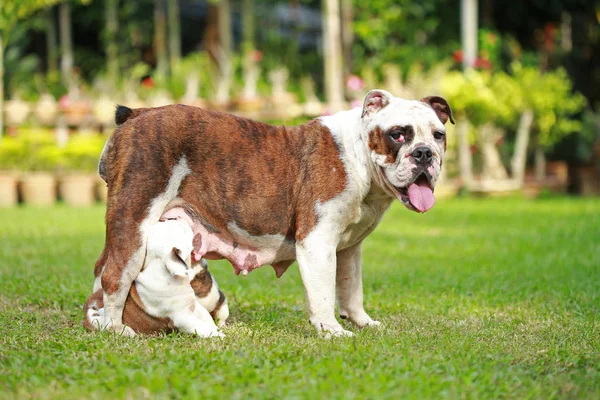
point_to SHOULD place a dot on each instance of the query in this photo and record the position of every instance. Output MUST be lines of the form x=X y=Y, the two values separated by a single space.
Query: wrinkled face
x=407 y=141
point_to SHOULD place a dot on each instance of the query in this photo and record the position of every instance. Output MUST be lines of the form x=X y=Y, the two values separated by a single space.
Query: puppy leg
x=349 y=287
x=221 y=312
x=317 y=260
x=198 y=322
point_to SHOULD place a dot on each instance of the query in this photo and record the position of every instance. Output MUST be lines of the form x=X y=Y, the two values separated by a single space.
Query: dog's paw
x=204 y=334
x=122 y=330
x=332 y=330
x=338 y=334
x=360 y=319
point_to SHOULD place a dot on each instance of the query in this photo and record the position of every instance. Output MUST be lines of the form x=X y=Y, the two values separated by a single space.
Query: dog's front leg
x=317 y=262
x=349 y=287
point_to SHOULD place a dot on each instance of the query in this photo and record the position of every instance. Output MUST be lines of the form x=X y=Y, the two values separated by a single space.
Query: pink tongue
x=421 y=196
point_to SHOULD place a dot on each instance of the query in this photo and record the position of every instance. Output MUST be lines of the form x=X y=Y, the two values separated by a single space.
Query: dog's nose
x=422 y=155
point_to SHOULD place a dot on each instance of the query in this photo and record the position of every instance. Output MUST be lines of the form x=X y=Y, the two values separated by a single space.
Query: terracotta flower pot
x=76 y=112
x=16 y=111
x=46 y=110
x=77 y=189
x=38 y=189
x=8 y=189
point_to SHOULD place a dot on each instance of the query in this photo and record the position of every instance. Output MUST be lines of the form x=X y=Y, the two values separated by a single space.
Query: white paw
x=338 y=334
x=360 y=319
x=122 y=330
x=332 y=330
x=210 y=334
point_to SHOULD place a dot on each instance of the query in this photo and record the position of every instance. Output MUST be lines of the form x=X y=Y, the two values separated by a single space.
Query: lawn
x=479 y=299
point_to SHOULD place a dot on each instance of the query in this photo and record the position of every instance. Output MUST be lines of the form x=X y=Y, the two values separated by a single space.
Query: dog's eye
x=439 y=135
x=397 y=136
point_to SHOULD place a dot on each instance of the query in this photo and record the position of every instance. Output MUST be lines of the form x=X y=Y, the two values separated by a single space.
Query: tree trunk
x=225 y=37
x=160 y=43
x=174 y=32
x=465 y=159
x=519 y=158
x=468 y=32
x=347 y=35
x=493 y=169
x=540 y=163
x=51 y=41
x=332 y=55
x=250 y=67
x=112 y=49
x=1 y=86
x=66 y=60
x=248 y=25
x=224 y=53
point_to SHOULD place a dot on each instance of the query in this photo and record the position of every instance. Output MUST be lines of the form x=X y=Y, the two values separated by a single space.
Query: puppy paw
x=338 y=334
x=332 y=330
x=122 y=330
x=203 y=334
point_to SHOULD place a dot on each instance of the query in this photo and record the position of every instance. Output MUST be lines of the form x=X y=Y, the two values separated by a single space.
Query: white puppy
x=170 y=291
x=164 y=284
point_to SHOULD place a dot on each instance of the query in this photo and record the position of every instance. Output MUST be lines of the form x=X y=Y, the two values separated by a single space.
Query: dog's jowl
x=257 y=194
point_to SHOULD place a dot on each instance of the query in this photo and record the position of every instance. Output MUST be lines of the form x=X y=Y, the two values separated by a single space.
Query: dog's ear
x=375 y=101
x=441 y=107
x=176 y=264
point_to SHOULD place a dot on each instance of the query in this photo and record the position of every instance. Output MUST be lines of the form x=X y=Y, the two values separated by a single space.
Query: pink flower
x=256 y=55
x=354 y=83
x=63 y=102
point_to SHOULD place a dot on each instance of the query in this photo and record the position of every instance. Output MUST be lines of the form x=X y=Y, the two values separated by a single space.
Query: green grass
x=479 y=299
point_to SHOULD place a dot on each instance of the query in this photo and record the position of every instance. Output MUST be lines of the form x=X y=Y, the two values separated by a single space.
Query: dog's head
x=171 y=242
x=407 y=141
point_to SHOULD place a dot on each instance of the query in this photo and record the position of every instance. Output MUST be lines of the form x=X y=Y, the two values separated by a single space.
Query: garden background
x=493 y=293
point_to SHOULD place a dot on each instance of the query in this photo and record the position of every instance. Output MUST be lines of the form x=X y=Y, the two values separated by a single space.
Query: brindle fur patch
x=265 y=179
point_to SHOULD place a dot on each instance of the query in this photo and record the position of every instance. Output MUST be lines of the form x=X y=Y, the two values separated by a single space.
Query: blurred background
x=522 y=77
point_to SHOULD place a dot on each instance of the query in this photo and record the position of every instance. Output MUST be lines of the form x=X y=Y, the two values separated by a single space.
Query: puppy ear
x=441 y=108
x=175 y=264
x=375 y=101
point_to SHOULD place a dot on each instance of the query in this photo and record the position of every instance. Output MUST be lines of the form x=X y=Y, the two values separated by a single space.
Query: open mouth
x=417 y=196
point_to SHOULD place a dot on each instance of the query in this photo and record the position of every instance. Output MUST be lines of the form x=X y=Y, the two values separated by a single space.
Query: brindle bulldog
x=257 y=194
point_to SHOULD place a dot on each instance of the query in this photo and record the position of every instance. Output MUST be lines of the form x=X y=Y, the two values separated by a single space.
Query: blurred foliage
x=483 y=96
x=13 y=10
x=31 y=150
x=404 y=32
x=36 y=150
x=82 y=153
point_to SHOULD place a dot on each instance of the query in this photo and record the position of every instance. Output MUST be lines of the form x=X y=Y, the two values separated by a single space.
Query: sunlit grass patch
x=479 y=299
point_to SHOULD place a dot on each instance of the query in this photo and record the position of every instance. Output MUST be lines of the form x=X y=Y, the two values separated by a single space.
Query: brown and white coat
x=257 y=194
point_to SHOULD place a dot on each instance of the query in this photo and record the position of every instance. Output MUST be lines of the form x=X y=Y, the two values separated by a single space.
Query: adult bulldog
x=258 y=194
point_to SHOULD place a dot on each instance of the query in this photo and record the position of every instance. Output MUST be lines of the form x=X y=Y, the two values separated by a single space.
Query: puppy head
x=407 y=141
x=171 y=242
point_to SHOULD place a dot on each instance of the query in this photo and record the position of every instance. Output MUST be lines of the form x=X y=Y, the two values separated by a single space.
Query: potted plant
x=10 y=150
x=79 y=161
x=38 y=160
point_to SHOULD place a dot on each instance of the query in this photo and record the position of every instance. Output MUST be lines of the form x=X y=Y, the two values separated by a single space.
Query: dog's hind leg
x=133 y=207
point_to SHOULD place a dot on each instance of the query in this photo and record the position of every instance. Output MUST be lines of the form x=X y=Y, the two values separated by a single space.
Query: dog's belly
x=244 y=251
